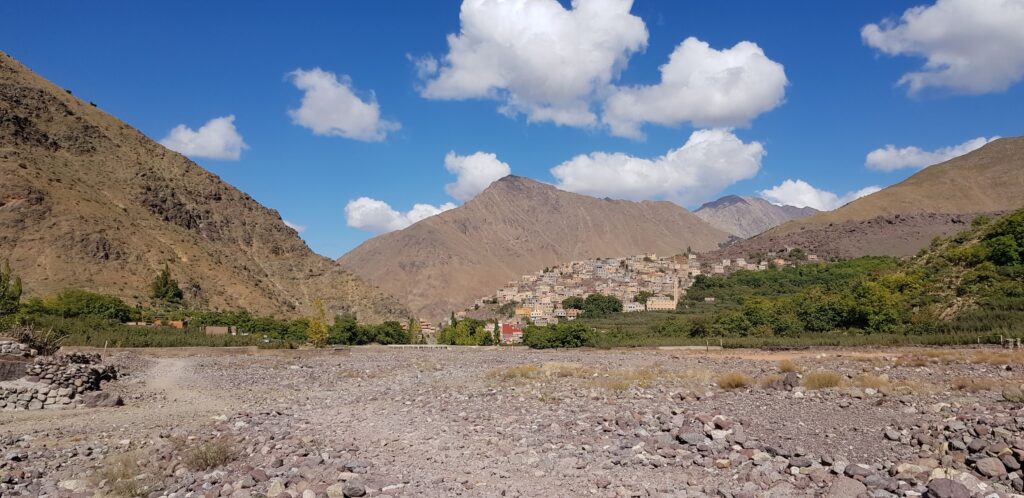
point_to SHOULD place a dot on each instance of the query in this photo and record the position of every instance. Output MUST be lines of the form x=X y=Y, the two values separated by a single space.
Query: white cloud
x=473 y=173
x=802 y=194
x=217 y=139
x=889 y=158
x=379 y=217
x=331 y=107
x=970 y=46
x=536 y=57
x=709 y=161
x=298 y=228
x=701 y=85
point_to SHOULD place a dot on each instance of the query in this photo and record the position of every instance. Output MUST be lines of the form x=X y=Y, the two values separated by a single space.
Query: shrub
x=733 y=380
x=822 y=380
x=786 y=366
x=210 y=454
x=45 y=343
x=562 y=335
x=75 y=302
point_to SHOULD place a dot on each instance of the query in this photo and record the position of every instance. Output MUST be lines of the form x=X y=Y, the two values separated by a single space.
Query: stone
x=691 y=438
x=102 y=399
x=990 y=467
x=855 y=470
x=800 y=461
x=353 y=489
x=74 y=485
x=946 y=488
x=845 y=487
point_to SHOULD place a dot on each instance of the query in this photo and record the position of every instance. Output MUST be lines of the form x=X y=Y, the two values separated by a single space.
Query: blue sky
x=157 y=66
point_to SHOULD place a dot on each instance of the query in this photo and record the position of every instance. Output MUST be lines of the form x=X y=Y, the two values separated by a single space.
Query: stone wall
x=64 y=381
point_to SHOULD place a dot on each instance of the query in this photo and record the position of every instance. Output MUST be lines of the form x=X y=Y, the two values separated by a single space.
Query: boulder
x=102 y=399
x=946 y=488
x=845 y=487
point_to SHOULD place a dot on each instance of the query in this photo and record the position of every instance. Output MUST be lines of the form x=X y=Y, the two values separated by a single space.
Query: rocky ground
x=488 y=422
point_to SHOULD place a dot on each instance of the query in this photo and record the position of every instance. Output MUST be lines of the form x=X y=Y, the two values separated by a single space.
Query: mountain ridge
x=90 y=202
x=515 y=226
x=745 y=217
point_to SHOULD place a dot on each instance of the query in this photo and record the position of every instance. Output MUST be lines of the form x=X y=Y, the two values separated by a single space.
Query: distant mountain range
x=517 y=226
x=902 y=219
x=87 y=201
x=748 y=216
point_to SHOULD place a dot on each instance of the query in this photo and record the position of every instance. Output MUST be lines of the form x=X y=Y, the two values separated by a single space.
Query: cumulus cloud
x=536 y=56
x=294 y=226
x=331 y=107
x=473 y=173
x=969 y=46
x=378 y=217
x=709 y=161
x=217 y=139
x=889 y=158
x=802 y=194
x=701 y=85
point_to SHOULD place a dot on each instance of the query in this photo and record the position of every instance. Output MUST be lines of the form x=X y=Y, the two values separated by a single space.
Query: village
x=641 y=282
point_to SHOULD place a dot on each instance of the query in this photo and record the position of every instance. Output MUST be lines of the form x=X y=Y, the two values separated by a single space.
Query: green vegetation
x=562 y=335
x=467 y=332
x=164 y=289
x=598 y=305
x=962 y=290
x=81 y=318
x=317 y=330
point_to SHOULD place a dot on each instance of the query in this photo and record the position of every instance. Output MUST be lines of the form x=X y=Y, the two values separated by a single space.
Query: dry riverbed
x=512 y=422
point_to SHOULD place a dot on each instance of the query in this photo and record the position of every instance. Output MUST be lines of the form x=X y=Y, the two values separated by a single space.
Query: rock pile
x=77 y=371
x=64 y=381
x=12 y=348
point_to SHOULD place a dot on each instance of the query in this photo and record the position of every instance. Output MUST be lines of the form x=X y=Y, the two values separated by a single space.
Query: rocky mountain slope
x=901 y=219
x=87 y=201
x=748 y=216
x=514 y=227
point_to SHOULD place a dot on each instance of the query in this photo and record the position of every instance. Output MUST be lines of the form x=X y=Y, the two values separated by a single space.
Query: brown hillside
x=87 y=201
x=514 y=227
x=902 y=219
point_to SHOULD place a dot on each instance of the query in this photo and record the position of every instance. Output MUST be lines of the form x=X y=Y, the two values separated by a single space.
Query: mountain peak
x=747 y=216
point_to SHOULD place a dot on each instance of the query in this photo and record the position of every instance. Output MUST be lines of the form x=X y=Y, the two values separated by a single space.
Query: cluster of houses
x=538 y=297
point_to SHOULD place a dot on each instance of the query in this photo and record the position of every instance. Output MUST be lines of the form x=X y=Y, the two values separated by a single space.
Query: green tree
x=73 y=303
x=165 y=288
x=573 y=302
x=562 y=335
x=10 y=290
x=596 y=305
x=642 y=296
x=1003 y=250
x=317 y=331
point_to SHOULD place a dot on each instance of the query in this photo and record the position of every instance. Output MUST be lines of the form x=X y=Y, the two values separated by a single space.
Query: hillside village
x=643 y=282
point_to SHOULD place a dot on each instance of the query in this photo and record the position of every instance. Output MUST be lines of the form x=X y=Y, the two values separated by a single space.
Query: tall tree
x=317 y=332
x=165 y=288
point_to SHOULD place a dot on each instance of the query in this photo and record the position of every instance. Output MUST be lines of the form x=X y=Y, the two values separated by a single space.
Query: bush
x=562 y=335
x=209 y=455
x=733 y=380
x=822 y=380
x=75 y=302
x=46 y=343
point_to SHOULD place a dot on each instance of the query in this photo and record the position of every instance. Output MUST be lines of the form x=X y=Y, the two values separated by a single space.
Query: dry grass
x=209 y=455
x=122 y=476
x=527 y=371
x=733 y=380
x=973 y=385
x=869 y=381
x=913 y=386
x=995 y=357
x=822 y=380
x=767 y=381
x=786 y=366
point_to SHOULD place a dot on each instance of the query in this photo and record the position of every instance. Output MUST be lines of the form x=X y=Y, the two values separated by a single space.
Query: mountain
x=517 y=226
x=87 y=201
x=748 y=216
x=939 y=200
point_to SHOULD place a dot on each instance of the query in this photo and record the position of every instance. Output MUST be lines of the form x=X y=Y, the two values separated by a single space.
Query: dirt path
x=171 y=391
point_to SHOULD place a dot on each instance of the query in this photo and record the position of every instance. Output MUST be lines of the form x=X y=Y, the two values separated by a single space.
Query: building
x=511 y=334
x=661 y=303
x=216 y=330
x=633 y=307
